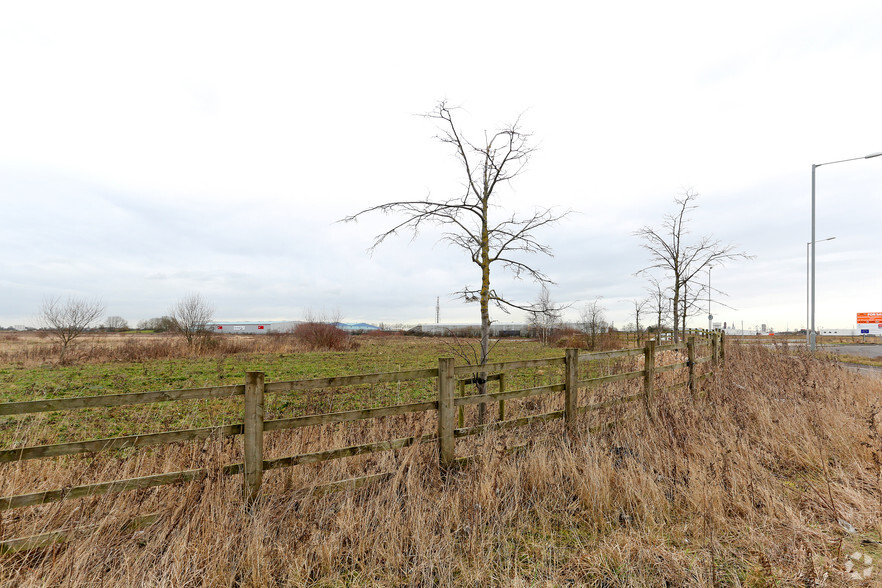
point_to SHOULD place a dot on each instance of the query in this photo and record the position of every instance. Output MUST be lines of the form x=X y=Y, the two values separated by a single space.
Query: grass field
x=754 y=483
x=35 y=379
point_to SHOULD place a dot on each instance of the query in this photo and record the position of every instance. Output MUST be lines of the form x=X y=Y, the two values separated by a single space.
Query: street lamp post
x=807 y=303
x=710 y=316
x=813 y=343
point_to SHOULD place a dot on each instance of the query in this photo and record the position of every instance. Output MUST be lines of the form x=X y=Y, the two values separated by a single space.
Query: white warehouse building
x=251 y=327
x=260 y=328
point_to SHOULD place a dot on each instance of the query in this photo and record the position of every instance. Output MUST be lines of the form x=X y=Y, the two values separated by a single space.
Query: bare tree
x=659 y=302
x=191 y=316
x=691 y=301
x=68 y=319
x=640 y=307
x=470 y=218
x=116 y=323
x=592 y=322
x=157 y=324
x=671 y=251
x=545 y=315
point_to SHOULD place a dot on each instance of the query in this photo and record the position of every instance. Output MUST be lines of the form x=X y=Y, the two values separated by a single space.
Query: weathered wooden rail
x=253 y=428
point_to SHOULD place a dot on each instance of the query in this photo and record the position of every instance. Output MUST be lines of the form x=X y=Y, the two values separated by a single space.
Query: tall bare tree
x=671 y=250
x=190 y=317
x=68 y=319
x=472 y=219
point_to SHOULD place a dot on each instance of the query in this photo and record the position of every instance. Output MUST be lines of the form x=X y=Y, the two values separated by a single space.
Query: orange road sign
x=869 y=318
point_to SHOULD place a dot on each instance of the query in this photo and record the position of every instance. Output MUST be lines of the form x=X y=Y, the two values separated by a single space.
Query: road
x=870 y=351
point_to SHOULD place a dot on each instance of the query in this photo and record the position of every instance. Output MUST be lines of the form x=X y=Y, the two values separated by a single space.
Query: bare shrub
x=191 y=316
x=322 y=336
x=567 y=337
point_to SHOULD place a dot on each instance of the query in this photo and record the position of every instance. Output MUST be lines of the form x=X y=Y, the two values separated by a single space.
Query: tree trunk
x=676 y=308
x=485 y=307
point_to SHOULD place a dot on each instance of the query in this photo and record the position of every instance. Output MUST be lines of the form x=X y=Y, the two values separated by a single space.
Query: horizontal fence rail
x=349 y=415
x=448 y=379
x=506 y=366
x=35 y=406
x=381 y=378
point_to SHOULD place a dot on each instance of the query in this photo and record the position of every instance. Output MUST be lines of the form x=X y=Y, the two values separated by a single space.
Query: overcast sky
x=154 y=150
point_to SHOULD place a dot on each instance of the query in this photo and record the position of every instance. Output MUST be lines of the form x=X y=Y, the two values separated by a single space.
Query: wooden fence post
x=460 y=413
x=253 y=436
x=715 y=348
x=502 y=402
x=482 y=388
x=722 y=347
x=446 y=412
x=571 y=389
x=690 y=362
x=649 y=377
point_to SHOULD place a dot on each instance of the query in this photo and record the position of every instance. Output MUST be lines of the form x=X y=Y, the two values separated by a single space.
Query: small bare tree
x=592 y=322
x=671 y=251
x=191 y=316
x=545 y=316
x=659 y=303
x=68 y=319
x=640 y=307
x=471 y=220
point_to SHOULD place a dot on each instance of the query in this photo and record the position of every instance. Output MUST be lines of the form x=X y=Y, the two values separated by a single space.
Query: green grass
x=859 y=359
x=18 y=382
x=21 y=383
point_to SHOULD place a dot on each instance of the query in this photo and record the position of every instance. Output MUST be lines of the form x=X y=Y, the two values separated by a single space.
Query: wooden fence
x=448 y=405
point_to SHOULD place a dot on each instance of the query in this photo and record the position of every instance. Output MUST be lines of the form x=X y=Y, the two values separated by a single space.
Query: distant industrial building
x=496 y=329
x=358 y=327
x=252 y=327
x=259 y=328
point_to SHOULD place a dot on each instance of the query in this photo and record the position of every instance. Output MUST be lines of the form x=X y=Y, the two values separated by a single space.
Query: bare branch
x=683 y=261
x=66 y=320
x=191 y=316
x=502 y=156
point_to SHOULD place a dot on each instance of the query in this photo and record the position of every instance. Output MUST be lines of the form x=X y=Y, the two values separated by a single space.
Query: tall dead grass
x=32 y=350
x=751 y=484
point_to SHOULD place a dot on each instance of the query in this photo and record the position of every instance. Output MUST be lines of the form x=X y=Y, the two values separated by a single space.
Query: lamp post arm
x=838 y=161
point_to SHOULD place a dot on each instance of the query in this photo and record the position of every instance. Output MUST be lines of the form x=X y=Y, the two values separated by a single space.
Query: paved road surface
x=872 y=351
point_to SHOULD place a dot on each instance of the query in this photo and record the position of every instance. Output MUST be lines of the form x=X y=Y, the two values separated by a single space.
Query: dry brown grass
x=31 y=349
x=743 y=486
